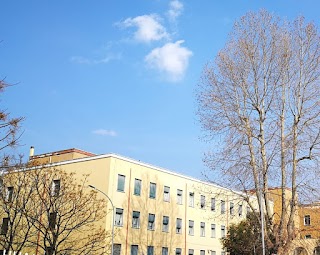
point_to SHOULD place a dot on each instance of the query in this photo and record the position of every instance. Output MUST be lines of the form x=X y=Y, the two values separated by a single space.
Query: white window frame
x=191 y=199
x=307 y=220
x=136 y=219
x=202 y=229
x=191 y=227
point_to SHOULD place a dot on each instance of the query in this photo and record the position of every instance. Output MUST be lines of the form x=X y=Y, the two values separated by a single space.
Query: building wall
x=104 y=173
x=309 y=221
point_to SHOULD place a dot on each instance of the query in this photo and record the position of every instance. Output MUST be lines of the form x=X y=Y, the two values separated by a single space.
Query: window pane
x=223 y=206
x=4 y=226
x=191 y=199
x=153 y=190
x=191 y=229
x=135 y=219
x=117 y=249
x=150 y=250
x=213 y=230
x=137 y=187
x=134 y=249
x=166 y=194
x=165 y=224
x=223 y=231
x=121 y=180
x=178 y=251
x=231 y=208
x=151 y=220
x=119 y=217
x=240 y=210
x=202 y=202
x=179 y=226
x=213 y=204
x=164 y=250
x=179 y=196
x=191 y=252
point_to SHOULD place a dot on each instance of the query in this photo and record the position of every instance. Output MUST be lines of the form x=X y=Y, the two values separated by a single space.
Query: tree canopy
x=259 y=103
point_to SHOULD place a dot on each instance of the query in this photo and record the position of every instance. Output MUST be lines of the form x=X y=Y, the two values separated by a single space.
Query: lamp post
x=112 y=234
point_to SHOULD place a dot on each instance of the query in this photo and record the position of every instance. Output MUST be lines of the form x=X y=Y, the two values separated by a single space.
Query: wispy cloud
x=149 y=28
x=105 y=132
x=175 y=10
x=91 y=61
x=171 y=59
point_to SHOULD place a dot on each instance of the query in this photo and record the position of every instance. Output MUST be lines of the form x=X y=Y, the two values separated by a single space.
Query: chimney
x=31 y=152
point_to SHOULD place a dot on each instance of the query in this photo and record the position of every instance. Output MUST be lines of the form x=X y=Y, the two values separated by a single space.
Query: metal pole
x=262 y=219
x=112 y=234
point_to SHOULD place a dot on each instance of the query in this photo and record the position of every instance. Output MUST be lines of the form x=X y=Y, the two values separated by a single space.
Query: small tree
x=244 y=238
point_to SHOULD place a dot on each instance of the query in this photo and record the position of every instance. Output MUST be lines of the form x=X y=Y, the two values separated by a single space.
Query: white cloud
x=87 y=61
x=175 y=9
x=105 y=132
x=172 y=59
x=148 y=28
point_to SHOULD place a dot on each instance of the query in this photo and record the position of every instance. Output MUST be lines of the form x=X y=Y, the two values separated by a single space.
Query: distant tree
x=244 y=238
x=260 y=100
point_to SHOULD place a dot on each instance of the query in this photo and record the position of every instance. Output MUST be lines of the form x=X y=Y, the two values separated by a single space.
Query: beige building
x=157 y=211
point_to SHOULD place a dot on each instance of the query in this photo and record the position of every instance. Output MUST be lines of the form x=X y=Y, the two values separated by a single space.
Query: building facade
x=156 y=211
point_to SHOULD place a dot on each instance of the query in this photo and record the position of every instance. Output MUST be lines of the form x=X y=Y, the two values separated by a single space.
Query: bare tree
x=16 y=197
x=68 y=214
x=9 y=126
x=259 y=102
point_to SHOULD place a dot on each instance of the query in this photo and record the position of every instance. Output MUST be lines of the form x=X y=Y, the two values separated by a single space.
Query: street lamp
x=112 y=234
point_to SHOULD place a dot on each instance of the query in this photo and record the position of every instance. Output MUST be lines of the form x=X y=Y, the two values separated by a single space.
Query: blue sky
x=118 y=76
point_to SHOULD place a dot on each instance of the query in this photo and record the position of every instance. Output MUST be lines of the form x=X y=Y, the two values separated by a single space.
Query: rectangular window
x=118 y=221
x=121 y=182
x=202 y=202
x=153 y=189
x=134 y=249
x=165 y=224
x=55 y=188
x=191 y=252
x=223 y=231
x=191 y=227
x=202 y=229
x=231 y=208
x=213 y=253
x=150 y=250
x=213 y=230
x=137 y=187
x=151 y=220
x=179 y=226
x=191 y=199
x=4 y=226
x=136 y=219
x=52 y=220
x=307 y=237
x=164 y=250
x=223 y=253
x=307 y=220
x=202 y=252
x=117 y=249
x=240 y=210
x=178 y=251
x=248 y=209
x=223 y=207
x=166 y=194
x=9 y=194
x=179 y=196
x=213 y=204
